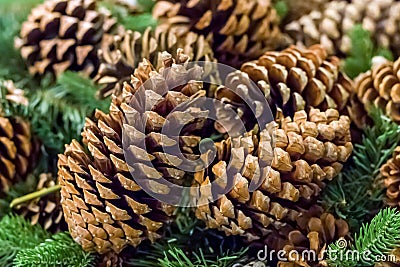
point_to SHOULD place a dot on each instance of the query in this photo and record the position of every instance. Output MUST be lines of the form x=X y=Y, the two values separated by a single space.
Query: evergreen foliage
x=362 y=52
x=281 y=8
x=59 y=250
x=16 y=234
x=376 y=239
x=356 y=194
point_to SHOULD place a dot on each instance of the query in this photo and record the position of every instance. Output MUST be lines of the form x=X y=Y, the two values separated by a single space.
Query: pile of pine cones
x=294 y=63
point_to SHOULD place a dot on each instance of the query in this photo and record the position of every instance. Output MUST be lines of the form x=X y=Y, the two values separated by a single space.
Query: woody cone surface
x=238 y=30
x=46 y=210
x=309 y=149
x=63 y=35
x=119 y=59
x=379 y=87
x=391 y=174
x=104 y=207
x=331 y=25
x=17 y=148
x=294 y=79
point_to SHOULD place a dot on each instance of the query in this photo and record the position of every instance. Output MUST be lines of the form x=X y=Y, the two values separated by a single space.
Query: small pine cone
x=309 y=149
x=106 y=210
x=119 y=59
x=46 y=210
x=62 y=35
x=111 y=259
x=238 y=30
x=292 y=80
x=390 y=171
x=314 y=232
x=379 y=87
x=331 y=26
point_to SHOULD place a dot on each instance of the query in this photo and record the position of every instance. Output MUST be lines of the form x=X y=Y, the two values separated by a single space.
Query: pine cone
x=309 y=150
x=14 y=94
x=379 y=87
x=103 y=205
x=297 y=9
x=45 y=211
x=111 y=259
x=294 y=79
x=63 y=35
x=391 y=173
x=238 y=30
x=123 y=55
x=315 y=231
x=331 y=26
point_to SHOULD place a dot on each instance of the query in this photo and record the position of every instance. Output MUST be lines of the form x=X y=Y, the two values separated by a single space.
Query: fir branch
x=17 y=234
x=376 y=239
x=356 y=194
x=362 y=52
x=59 y=250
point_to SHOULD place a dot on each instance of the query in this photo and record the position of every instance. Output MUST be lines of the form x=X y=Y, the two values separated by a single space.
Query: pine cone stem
x=38 y=194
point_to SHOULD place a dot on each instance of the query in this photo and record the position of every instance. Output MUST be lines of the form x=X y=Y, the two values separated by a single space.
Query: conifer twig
x=38 y=194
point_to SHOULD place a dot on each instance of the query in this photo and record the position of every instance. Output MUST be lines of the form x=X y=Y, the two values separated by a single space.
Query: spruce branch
x=17 y=234
x=362 y=52
x=59 y=250
x=357 y=193
x=376 y=239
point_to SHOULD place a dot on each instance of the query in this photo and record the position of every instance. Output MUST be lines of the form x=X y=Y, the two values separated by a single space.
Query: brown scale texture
x=378 y=87
x=122 y=56
x=290 y=158
x=331 y=25
x=297 y=9
x=238 y=30
x=391 y=174
x=293 y=79
x=111 y=259
x=104 y=207
x=63 y=35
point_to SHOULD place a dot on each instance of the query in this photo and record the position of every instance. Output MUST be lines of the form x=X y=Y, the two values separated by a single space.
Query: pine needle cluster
x=375 y=241
x=356 y=195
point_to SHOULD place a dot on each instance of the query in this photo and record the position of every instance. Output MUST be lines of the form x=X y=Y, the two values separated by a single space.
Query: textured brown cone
x=309 y=149
x=63 y=35
x=294 y=79
x=238 y=30
x=379 y=87
x=111 y=259
x=46 y=210
x=330 y=27
x=104 y=207
x=121 y=57
x=297 y=9
x=391 y=174
x=314 y=232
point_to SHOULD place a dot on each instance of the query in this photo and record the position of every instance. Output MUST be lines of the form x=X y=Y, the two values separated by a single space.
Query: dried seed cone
x=111 y=259
x=106 y=210
x=238 y=30
x=294 y=79
x=46 y=210
x=315 y=231
x=297 y=9
x=309 y=149
x=330 y=27
x=391 y=174
x=63 y=35
x=122 y=56
x=379 y=87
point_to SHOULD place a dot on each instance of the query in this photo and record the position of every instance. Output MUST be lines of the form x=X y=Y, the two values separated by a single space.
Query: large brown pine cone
x=63 y=35
x=330 y=27
x=46 y=210
x=294 y=79
x=309 y=149
x=391 y=174
x=379 y=87
x=103 y=205
x=238 y=30
x=120 y=58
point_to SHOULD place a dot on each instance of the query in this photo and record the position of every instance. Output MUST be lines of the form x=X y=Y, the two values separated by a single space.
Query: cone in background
x=46 y=210
x=104 y=207
x=390 y=171
x=378 y=87
x=238 y=30
x=62 y=35
x=119 y=59
x=330 y=26
x=17 y=147
x=297 y=9
x=309 y=149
